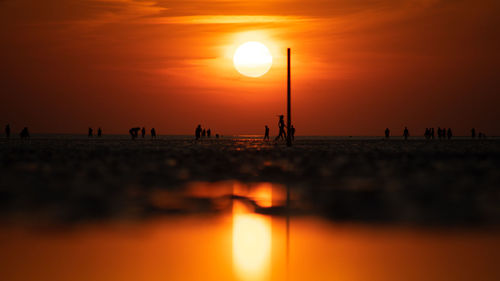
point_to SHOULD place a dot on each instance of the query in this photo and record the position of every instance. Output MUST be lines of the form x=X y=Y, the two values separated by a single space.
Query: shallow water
x=73 y=208
x=236 y=243
x=249 y=247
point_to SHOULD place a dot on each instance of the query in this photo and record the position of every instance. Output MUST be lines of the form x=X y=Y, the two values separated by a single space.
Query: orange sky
x=358 y=66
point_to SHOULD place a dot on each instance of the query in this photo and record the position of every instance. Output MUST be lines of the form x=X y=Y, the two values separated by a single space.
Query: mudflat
x=71 y=178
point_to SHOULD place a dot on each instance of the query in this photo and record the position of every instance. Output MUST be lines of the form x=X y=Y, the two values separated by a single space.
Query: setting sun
x=252 y=59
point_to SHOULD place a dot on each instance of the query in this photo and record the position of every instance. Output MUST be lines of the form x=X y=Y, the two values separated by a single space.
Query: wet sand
x=73 y=208
x=71 y=179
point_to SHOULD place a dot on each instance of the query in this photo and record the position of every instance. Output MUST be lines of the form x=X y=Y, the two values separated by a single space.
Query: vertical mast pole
x=289 y=113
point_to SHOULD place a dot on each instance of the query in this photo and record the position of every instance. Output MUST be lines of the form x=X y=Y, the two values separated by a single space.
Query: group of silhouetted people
x=134 y=132
x=429 y=133
x=281 y=130
x=91 y=132
x=282 y=133
x=24 y=134
x=200 y=132
x=406 y=133
x=444 y=133
x=481 y=135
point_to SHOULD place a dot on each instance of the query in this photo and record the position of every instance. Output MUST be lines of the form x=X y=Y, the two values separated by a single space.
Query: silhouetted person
x=427 y=133
x=473 y=133
x=281 y=126
x=143 y=132
x=216 y=136
x=292 y=132
x=209 y=132
x=99 y=132
x=439 y=133
x=25 y=134
x=203 y=133
x=7 y=131
x=153 y=133
x=266 y=133
x=91 y=132
x=197 y=132
x=406 y=133
x=387 y=133
x=134 y=132
x=432 y=133
x=449 y=134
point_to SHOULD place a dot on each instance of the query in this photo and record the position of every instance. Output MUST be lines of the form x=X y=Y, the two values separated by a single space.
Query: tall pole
x=289 y=112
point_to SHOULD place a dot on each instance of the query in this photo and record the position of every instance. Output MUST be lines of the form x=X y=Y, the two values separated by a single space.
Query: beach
x=74 y=178
x=239 y=208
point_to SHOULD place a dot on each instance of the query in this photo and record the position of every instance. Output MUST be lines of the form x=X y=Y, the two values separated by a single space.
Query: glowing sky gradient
x=358 y=66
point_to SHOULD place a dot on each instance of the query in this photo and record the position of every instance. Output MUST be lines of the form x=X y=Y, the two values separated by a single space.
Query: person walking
x=266 y=133
x=281 y=126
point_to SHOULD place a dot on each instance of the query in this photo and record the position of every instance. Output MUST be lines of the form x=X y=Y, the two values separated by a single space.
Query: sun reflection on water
x=252 y=236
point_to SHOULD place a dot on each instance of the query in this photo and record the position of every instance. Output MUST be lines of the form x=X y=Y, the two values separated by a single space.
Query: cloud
x=224 y=19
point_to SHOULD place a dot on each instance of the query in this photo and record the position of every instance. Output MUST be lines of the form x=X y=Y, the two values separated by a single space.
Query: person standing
x=473 y=133
x=387 y=133
x=153 y=133
x=99 y=132
x=406 y=133
x=209 y=132
x=450 y=134
x=143 y=132
x=197 y=132
x=91 y=132
x=7 y=131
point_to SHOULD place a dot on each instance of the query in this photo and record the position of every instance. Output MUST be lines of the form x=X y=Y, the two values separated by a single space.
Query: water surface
x=236 y=243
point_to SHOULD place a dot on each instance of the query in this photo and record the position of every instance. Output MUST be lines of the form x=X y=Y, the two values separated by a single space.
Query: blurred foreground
x=365 y=180
x=241 y=209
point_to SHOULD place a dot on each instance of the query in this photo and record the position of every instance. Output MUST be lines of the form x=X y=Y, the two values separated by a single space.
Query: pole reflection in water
x=242 y=245
x=252 y=234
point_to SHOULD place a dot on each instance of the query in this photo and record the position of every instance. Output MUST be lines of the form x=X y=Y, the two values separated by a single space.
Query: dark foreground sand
x=70 y=179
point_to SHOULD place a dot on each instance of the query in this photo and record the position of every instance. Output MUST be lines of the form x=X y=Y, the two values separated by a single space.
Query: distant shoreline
x=246 y=136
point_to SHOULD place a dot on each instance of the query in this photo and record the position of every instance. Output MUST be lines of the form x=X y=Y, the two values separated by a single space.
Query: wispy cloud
x=225 y=19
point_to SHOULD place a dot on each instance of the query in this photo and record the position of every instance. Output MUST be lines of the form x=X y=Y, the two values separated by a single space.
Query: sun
x=252 y=59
